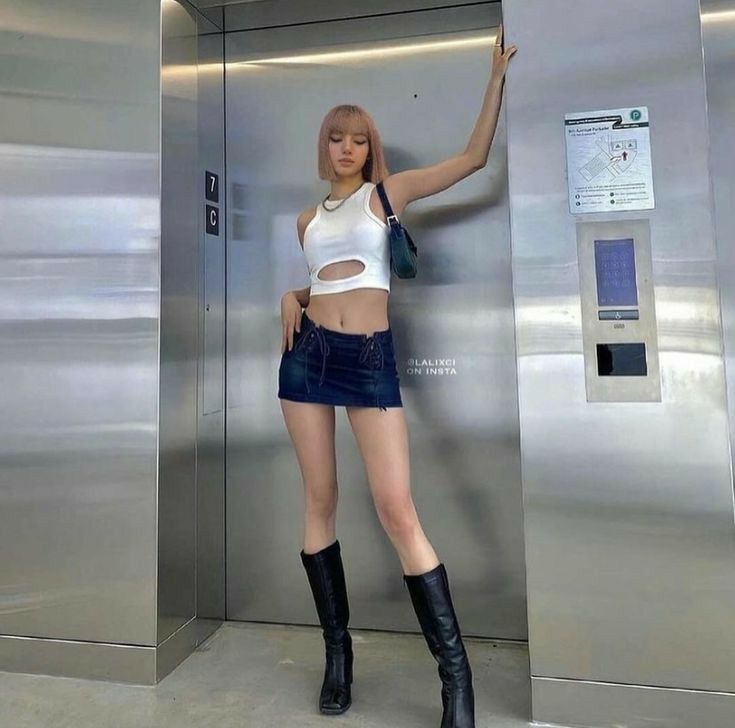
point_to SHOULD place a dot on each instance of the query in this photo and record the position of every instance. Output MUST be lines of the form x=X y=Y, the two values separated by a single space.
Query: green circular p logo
x=635 y=115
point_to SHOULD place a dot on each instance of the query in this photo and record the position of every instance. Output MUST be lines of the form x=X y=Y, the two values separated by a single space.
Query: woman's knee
x=398 y=518
x=321 y=498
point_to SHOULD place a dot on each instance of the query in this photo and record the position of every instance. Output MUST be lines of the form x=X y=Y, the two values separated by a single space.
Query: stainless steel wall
x=210 y=507
x=179 y=318
x=79 y=312
x=99 y=341
x=628 y=506
x=718 y=32
x=422 y=76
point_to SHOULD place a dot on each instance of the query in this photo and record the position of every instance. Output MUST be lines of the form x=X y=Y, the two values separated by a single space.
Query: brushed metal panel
x=79 y=242
x=213 y=353
x=175 y=647
x=718 y=33
x=208 y=20
x=628 y=507
x=318 y=10
x=211 y=421
x=133 y=664
x=210 y=504
x=211 y=159
x=203 y=4
x=172 y=651
x=268 y=42
x=463 y=424
x=276 y=13
x=216 y=17
x=81 y=659
x=607 y=705
x=180 y=271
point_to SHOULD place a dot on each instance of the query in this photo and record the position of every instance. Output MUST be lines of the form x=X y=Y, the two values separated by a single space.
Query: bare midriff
x=359 y=311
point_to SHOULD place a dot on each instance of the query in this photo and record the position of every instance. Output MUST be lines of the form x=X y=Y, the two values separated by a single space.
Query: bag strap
x=386 y=205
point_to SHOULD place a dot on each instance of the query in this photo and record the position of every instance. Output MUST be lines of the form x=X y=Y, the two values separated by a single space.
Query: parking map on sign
x=609 y=160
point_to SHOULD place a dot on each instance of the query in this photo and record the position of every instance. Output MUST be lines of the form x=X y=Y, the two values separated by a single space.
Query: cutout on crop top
x=342 y=269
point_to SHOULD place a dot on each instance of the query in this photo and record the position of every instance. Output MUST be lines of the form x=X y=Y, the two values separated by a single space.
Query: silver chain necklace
x=341 y=202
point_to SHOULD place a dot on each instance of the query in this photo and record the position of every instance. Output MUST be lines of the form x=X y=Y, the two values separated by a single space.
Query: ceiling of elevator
x=201 y=4
x=346 y=7
x=235 y=15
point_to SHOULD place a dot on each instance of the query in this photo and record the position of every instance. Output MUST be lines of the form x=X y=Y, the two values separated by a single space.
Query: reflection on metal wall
x=180 y=269
x=628 y=506
x=453 y=324
x=79 y=305
x=718 y=32
x=100 y=219
x=211 y=435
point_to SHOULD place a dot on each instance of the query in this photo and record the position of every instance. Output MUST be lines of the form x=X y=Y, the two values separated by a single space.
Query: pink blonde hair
x=350 y=117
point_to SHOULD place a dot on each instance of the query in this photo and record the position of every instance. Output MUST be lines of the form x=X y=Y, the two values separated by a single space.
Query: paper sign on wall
x=609 y=160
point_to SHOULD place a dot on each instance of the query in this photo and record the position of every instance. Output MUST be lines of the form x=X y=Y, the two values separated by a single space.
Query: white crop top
x=351 y=232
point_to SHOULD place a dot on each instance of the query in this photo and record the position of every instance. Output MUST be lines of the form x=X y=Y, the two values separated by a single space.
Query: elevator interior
x=433 y=65
x=156 y=493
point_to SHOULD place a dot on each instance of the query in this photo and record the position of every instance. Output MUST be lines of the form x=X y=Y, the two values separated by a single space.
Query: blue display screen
x=615 y=269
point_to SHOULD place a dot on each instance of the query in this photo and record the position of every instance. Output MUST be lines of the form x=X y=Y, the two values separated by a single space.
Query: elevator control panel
x=619 y=333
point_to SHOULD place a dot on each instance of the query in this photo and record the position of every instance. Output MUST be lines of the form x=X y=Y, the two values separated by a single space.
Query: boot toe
x=335 y=700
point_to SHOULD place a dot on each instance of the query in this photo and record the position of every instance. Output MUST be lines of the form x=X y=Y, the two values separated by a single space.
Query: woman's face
x=352 y=146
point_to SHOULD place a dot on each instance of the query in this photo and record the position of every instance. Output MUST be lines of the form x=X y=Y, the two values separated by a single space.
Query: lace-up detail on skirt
x=372 y=353
x=315 y=335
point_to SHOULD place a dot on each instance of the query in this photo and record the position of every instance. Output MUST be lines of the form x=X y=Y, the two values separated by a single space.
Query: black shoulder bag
x=403 y=253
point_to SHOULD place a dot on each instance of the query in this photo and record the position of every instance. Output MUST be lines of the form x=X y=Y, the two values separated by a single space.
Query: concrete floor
x=268 y=676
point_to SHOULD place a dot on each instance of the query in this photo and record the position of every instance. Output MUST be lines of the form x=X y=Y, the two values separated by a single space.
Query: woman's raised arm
x=413 y=184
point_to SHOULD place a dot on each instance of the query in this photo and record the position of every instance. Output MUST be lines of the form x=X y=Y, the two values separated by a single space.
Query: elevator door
x=422 y=76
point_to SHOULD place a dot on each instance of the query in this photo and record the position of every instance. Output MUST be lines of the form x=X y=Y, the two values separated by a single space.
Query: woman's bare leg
x=311 y=428
x=382 y=437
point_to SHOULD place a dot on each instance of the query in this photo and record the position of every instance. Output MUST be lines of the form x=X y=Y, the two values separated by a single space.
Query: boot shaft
x=325 y=573
x=432 y=602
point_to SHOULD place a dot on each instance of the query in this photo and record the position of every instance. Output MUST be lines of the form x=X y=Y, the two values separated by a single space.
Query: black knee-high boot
x=432 y=603
x=327 y=581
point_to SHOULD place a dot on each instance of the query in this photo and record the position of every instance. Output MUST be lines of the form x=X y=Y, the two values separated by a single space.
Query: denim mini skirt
x=333 y=367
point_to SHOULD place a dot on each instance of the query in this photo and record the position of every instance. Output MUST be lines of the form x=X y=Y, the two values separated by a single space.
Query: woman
x=339 y=351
